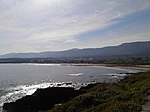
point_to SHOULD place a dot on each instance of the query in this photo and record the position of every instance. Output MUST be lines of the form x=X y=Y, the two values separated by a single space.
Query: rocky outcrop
x=42 y=99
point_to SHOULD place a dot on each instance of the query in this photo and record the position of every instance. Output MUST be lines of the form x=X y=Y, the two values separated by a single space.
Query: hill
x=125 y=49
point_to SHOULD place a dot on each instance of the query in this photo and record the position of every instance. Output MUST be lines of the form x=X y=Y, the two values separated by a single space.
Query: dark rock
x=42 y=99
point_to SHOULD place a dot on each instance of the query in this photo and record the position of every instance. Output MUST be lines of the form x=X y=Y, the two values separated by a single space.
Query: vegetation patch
x=125 y=96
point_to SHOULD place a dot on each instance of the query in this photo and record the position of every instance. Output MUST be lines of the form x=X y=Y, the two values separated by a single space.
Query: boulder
x=42 y=99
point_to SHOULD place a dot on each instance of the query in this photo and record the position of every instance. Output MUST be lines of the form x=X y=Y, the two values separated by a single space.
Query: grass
x=125 y=96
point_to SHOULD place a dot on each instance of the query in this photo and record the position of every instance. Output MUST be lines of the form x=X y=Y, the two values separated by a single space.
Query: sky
x=55 y=25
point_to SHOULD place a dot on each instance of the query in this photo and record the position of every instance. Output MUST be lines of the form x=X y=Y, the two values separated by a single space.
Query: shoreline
x=130 y=95
x=87 y=64
x=140 y=68
x=87 y=89
x=113 y=79
x=95 y=84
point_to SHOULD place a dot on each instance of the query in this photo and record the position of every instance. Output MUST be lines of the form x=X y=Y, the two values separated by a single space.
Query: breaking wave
x=13 y=93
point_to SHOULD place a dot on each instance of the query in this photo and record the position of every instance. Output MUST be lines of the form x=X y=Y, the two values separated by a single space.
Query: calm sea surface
x=18 y=80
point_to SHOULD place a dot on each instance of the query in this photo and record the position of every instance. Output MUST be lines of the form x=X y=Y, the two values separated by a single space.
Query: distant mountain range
x=125 y=49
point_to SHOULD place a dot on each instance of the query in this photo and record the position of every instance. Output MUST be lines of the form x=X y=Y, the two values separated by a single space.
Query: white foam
x=18 y=92
x=78 y=74
x=41 y=64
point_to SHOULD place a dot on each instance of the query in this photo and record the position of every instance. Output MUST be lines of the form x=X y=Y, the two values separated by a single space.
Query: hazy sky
x=45 y=25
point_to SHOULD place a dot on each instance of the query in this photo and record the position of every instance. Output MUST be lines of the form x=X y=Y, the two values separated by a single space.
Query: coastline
x=144 y=66
x=127 y=95
x=112 y=87
x=141 y=68
x=106 y=65
x=28 y=89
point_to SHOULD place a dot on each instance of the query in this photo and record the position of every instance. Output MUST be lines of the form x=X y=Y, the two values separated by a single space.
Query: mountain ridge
x=133 y=48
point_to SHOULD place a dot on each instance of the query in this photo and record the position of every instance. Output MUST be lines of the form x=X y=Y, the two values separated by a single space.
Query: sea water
x=18 y=80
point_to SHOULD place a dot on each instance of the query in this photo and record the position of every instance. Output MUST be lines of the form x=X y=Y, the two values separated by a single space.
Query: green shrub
x=126 y=96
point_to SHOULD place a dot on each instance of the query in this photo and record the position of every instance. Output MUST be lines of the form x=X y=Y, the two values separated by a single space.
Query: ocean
x=18 y=80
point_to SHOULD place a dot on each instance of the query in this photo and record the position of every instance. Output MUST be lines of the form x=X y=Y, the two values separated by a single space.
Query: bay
x=18 y=80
